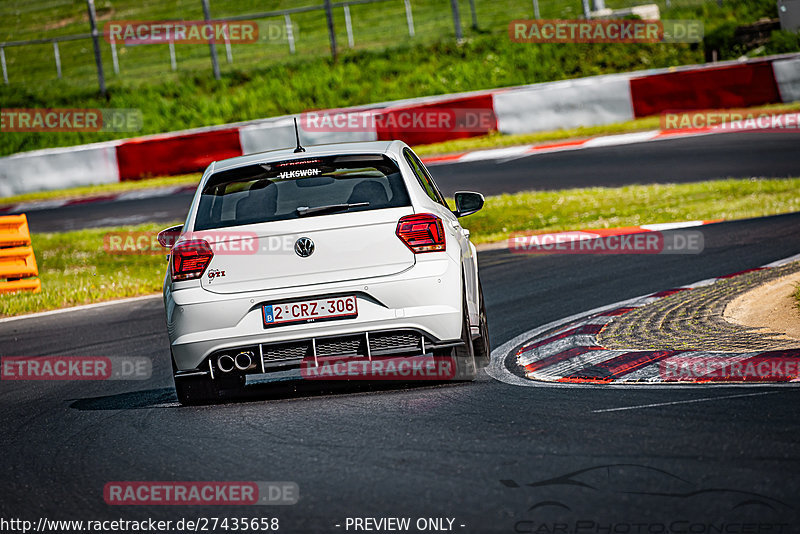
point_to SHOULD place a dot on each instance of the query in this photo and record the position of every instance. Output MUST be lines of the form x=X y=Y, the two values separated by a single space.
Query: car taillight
x=422 y=232
x=190 y=259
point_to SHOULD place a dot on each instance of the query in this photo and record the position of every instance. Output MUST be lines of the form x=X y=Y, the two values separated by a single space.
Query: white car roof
x=334 y=149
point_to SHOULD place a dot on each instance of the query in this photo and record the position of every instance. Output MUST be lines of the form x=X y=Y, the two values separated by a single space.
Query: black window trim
x=409 y=154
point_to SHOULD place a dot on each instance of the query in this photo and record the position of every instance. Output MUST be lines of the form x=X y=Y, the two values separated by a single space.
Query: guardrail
x=17 y=260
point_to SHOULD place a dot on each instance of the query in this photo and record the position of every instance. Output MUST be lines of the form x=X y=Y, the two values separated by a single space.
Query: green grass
x=601 y=207
x=75 y=269
x=375 y=26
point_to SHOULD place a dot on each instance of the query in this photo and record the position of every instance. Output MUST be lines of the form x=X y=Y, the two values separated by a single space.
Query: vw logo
x=304 y=247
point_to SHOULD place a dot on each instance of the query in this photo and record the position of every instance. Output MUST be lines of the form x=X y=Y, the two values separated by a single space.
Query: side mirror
x=467 y=203
x=167 y=238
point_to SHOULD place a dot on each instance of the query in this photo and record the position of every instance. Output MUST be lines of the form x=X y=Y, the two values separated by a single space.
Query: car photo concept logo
x=304 y=247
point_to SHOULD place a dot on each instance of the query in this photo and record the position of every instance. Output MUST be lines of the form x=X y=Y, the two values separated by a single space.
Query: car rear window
x=283 y=190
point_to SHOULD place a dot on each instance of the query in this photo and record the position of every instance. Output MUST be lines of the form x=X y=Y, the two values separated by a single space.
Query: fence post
x=114 y=58
x=3 y=62
x=58 y=58
x=474 y=14
x=587 y=11
x=228 y=52
x=457 y=19
x=536 y=14
x=211 y=45
x=173 y=63
x=289 y=32
x=348 y=25
x=600 y=4
x=409 y=18
x=331 y=31
x=101 y=78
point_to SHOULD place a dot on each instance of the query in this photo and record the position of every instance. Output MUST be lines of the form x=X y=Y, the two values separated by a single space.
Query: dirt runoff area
x=770 y=307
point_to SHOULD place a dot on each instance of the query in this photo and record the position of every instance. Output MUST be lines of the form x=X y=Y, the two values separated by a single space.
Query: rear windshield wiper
x=305 y=210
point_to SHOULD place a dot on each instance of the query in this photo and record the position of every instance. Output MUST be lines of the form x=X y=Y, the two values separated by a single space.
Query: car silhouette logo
x=304 y=247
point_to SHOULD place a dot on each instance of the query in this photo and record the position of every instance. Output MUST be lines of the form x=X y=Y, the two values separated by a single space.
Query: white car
x=344 y=252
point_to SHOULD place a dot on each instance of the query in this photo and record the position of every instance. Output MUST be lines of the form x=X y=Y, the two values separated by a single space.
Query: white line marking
x=704 y=399
x=621 y=139
x=79 y=308
x=671 y=226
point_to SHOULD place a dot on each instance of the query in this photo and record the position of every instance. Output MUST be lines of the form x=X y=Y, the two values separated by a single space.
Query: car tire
x=464 y=355
x=193 y=390
x=481 y=348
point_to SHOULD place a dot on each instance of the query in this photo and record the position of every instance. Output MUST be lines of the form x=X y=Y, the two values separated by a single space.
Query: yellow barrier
x=14 y=231
x=17 y=261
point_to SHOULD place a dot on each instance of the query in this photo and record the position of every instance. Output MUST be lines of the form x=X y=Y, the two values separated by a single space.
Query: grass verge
x=602 y=207
x=75 y=269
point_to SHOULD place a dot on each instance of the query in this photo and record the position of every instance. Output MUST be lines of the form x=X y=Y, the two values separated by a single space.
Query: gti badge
x=304 y=247
x=215 y=273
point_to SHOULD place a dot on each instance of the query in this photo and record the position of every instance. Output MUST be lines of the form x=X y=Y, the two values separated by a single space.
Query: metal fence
x=331 y=28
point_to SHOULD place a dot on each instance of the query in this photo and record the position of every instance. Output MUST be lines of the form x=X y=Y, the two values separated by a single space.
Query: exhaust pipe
x=244 y=360
x=225 y=363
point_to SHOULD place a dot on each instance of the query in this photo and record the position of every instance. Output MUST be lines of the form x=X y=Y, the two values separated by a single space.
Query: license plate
x=309 y=311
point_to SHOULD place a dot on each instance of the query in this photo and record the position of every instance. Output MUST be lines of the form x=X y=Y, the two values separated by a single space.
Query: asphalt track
x=700 y=458
x=676 y=160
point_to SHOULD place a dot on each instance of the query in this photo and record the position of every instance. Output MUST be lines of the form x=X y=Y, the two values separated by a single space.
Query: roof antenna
x=297 y=136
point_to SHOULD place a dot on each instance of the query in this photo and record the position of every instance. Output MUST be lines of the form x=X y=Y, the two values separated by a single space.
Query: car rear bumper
x=424 y=299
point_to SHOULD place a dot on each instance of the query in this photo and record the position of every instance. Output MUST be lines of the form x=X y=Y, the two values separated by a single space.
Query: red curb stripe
x=559 y=357
x=446 y=157
x=616 y=312
x=581 y=330
x=561 y=144
x=742 y=272
x=623 y=364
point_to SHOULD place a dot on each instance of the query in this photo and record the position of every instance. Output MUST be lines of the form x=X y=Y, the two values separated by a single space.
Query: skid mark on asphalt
x=688 y=401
